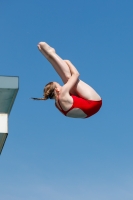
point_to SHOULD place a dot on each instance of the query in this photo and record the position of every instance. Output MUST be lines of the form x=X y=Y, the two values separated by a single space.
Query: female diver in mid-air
x=75 y=98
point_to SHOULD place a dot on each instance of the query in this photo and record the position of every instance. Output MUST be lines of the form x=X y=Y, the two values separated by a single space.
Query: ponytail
x=34 y=98
x=48 y=92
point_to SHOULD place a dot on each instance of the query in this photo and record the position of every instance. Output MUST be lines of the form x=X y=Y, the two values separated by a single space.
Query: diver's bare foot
x=45 y=49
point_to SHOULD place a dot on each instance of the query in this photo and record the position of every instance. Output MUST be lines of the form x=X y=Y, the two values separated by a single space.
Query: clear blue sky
x=47 y=155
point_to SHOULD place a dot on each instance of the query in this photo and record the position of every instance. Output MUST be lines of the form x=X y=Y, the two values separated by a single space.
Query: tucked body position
x=75 y=98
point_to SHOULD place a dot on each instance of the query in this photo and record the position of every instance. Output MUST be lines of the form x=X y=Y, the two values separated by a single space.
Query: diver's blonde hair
x=48 y=92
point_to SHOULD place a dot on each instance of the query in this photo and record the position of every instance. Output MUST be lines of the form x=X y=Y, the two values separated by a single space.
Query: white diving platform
x=9 y=86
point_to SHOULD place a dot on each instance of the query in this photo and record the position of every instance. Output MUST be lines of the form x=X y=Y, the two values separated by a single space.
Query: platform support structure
x=9 y=86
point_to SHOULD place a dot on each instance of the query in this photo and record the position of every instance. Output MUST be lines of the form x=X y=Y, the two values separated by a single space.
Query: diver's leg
x=59 y=65
x=86 y=91
x=81 y=89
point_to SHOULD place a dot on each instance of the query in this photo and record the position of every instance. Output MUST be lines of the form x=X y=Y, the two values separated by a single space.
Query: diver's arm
x=72 y=68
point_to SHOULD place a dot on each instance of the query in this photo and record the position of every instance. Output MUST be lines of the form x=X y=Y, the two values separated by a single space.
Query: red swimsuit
x=87 y=107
